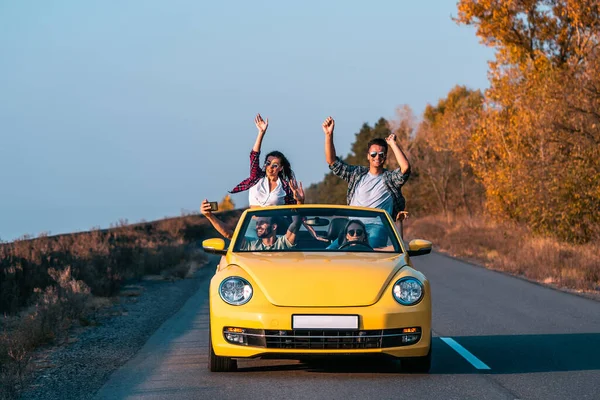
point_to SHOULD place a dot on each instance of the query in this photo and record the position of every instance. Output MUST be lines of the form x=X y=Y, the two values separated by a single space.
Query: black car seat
x=283 y=223
x=336 y=226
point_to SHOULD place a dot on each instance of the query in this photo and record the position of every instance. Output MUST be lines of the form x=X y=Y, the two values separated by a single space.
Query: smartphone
x=214 y=206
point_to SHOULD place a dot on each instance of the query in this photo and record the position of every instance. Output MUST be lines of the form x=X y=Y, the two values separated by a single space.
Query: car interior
x=316 y=233
x=318 y=230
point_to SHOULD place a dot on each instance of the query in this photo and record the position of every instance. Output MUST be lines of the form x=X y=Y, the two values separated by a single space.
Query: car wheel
x=417 y=364
x=217 y=363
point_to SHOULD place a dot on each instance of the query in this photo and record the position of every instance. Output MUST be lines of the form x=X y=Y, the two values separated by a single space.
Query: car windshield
x=316 y=230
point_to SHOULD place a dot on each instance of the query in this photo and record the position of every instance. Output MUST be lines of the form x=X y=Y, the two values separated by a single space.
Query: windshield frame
x=302 y=211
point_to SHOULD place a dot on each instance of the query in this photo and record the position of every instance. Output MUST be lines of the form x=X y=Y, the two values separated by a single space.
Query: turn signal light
x=235 y=335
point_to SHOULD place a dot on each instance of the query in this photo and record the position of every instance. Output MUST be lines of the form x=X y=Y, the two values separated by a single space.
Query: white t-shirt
x=372 y=192
x=260 y=195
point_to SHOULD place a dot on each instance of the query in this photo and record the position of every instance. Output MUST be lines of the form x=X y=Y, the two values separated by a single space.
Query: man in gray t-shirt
x=371 y=192
x=375 y=186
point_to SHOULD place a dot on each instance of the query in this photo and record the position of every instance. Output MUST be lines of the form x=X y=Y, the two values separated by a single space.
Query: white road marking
x=466 y=354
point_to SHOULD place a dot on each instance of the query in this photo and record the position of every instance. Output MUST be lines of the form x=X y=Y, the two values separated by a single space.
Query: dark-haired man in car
x=266 y=231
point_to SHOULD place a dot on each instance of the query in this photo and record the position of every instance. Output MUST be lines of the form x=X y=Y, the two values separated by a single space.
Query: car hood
x=321 y=279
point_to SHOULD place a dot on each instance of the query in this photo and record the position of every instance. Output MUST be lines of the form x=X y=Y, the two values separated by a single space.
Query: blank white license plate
x=325 y=322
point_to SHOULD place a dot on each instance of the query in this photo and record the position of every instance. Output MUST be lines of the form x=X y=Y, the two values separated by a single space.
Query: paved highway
x=496 y=337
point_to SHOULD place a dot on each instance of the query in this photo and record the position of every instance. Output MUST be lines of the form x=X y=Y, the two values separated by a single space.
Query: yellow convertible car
x=318 y=280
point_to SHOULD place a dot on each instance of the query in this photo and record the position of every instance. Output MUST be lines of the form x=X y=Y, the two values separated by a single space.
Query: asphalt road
x=496 y=337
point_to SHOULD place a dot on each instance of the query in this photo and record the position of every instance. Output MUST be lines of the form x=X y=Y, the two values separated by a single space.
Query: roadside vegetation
x=511 y=248
x=50 y=283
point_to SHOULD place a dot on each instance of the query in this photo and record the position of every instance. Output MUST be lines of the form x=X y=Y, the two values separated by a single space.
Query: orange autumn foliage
x=536 y=145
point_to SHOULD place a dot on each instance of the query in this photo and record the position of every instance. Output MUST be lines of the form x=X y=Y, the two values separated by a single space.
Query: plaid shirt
x=393 y=181
x=256 y=174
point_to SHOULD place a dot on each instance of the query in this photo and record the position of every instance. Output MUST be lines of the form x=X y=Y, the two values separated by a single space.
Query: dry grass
x=512 y=249
x=49 y=283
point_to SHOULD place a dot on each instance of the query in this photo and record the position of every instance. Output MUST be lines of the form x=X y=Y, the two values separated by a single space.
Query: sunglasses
x=355 y=232
x=274 y=165
x=374 y=154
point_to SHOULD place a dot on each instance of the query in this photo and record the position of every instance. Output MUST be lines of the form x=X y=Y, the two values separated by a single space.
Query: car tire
x=217 y=363
x=417 y=365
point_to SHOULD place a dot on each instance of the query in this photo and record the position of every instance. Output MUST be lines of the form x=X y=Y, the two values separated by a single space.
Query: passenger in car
x=266 y=231
x=275 y=183
x=372 y=186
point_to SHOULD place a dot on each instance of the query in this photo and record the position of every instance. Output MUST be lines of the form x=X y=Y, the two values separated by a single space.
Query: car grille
x=330 y=339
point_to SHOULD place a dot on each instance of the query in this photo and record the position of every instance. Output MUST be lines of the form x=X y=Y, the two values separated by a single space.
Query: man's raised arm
x=398 y=153
x=292 y=230
x=328 y=126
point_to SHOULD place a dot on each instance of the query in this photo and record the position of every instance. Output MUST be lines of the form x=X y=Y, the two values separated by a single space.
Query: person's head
x=276 y=164
x=377 y=152
x=355 y=231
x=266 y=227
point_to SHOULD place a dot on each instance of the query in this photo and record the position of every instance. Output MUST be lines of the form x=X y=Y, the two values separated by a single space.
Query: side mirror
x=419 y=247
x=215 y=246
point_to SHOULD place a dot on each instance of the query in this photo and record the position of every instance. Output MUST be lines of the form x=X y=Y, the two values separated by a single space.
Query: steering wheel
x=355 y=243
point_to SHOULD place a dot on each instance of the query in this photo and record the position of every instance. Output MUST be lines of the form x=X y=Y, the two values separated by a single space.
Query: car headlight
x=235 y=291
x=408 y=291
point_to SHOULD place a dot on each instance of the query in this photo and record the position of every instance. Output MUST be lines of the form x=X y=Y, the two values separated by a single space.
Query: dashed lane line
x=466 y=354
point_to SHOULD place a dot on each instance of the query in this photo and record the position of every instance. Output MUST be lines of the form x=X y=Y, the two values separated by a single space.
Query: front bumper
x=270 y=333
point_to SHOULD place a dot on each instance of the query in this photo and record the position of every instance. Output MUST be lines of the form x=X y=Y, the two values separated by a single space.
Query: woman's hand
x=261 y=124
x=297 y=191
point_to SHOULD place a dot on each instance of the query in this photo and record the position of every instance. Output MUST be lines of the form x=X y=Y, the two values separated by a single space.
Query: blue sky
x=140 y=109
